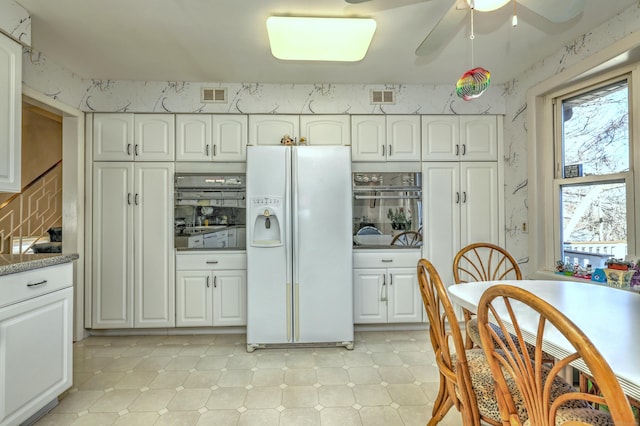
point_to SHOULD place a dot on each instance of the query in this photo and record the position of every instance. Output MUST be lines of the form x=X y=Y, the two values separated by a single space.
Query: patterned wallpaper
x=54 y=80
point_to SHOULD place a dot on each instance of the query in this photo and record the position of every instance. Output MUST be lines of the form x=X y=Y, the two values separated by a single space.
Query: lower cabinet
x=386 y=287
x=211 y=289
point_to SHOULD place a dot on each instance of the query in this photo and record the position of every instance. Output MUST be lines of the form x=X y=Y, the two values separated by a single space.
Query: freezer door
x=269 y=280
x=323 y=281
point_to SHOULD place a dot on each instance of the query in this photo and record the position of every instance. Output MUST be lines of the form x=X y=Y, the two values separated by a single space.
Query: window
x=593 y=176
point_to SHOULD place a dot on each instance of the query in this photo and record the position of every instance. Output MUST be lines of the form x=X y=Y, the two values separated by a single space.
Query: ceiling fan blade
x=444 y=29
x=554 y=10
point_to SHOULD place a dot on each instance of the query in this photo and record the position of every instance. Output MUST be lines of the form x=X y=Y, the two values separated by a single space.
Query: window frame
x=558 y=181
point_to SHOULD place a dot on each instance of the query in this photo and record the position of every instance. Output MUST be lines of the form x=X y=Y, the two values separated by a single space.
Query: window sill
x=552 y=276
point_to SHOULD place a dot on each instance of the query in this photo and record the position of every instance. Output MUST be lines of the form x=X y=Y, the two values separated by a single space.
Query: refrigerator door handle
x=296 y=310
x=288 y=299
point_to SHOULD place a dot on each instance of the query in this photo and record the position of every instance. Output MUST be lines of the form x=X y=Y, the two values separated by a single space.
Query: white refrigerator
x=299 y=246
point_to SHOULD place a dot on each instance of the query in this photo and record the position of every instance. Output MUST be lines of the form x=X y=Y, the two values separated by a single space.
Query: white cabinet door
x=480 y=206
x=440 y=138
x=368 y=138
x=193 y=137
x=194 y=300
x=153 y=245
x=478 y=138
x=112 y=270
x=369 y=296
x=403 y=138
x=325 y=129
x=35 y=354
x=269 y=129
x=229 y=138
x=229 y=298
x=441 y=215
x=113 y=138
x=10 y=115
x=154 y=137
x=404 y=302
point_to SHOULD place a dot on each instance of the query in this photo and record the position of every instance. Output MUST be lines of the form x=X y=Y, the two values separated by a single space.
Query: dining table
x=609 y=317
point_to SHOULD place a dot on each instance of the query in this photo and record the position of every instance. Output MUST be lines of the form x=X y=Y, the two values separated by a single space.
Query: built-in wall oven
x=387 y=209
x=210 y=211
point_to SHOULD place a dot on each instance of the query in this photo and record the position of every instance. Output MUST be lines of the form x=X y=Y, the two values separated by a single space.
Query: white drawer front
x=36 y=282
x=208 y=261
x=386 y=259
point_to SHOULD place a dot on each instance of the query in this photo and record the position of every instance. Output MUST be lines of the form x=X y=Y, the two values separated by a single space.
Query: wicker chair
x=532 y=377
x=482 y=262
x=465 y=377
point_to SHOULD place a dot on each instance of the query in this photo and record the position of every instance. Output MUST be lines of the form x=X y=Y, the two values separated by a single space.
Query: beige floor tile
x=226 y=398
x=300 y=417
x=357 y=359
x=77 y=401
x=270 y=360
x=300 y=377
x=381 y=416
x=96 y=419
x=299 y=396
x=372 y=395
x=54 y=419
x=166 y=350
x=417 y=358
x=266 y=417
x=424 y=373
x=137 y=419
x=235 y=378
x=114 y=401
x=268 y=377
x=333 y=376
x=101 y=381
x=386 y=359
x=405 y=394
x=202 y=379
x=220 y=350
x=123 y=364
x=379 y=347
x=153 y=363
x=263 y=397
x=136 y=380
x=169 y=380
x=336 y=396
x=364 y=375
x=340 y=416
x=242 y=362
x=396 y=375
x=219 y=418
x=189 y=400
x=300 y=360
x=178 y=418
x=415 y=415
x=91 y=364
x=211 y=362
x=152 y=400
x=329 y=359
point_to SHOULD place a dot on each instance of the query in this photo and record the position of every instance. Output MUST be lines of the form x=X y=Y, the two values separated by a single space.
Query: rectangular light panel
x=320 y=39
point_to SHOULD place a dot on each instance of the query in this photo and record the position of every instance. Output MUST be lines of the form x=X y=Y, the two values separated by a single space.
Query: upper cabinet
x=385 y=138
x=459 y=138
x=308 y=129
x=10 y=114
x=133 y=137
x=204 y=137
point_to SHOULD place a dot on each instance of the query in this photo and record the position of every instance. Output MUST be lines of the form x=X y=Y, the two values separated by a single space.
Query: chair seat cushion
x=587 y=416
x=474 y=333
x=484 y=388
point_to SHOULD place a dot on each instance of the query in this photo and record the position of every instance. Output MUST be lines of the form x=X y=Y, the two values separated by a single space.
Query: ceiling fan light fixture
x=320 y=39
x=486 y=5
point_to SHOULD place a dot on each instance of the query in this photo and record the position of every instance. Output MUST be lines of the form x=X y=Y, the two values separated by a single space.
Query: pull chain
x=472 y=36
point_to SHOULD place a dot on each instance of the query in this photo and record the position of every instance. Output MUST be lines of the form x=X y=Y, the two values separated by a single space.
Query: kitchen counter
x=12 y=263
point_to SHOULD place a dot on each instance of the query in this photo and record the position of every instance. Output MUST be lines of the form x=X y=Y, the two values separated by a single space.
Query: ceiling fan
x=552 y=10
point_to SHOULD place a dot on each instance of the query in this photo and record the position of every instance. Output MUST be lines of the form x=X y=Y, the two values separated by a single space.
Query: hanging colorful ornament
x=473 y=83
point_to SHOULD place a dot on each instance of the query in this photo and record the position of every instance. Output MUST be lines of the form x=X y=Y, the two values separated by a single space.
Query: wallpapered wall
x=54 y=80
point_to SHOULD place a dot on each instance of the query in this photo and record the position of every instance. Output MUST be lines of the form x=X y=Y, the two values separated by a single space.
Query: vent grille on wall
x=214 y=95
x=382 y=97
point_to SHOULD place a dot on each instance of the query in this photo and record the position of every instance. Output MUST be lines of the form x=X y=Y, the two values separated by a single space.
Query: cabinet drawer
x=36 y=282
x=385 y=259
x=208 y=261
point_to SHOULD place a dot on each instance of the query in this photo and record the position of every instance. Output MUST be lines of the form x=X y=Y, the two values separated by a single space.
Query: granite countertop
x=12 y=263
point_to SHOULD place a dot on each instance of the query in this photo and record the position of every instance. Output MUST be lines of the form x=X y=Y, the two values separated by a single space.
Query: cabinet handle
x=457 y=149
x=206 y=150
x=389 y=150
x=457 y=197
x=214 y=151
x=136 y=150
x=215 y=282
x=128 y=149
x=390 y=279
x=464 y=149
x=387 y=260
x=129 y=198
x=43 y=282
x=464 y=197
x=208 y=282
x=211 y=262
x=383 y=296
x=136 y=199
x=384 y=150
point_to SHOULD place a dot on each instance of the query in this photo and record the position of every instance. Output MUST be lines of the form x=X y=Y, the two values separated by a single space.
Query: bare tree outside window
x=595 y=141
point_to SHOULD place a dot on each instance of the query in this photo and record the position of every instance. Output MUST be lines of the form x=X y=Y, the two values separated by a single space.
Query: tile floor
x=388 y=379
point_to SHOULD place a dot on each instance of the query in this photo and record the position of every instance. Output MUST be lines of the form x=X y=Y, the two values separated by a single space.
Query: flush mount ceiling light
x=320 y=39
x=487 y=5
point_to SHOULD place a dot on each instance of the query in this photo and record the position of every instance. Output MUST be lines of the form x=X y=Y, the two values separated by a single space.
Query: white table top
x=610 y=317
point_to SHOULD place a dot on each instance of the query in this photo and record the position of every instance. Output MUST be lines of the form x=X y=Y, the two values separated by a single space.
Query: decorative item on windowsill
x=475 y=81
x=399 y=221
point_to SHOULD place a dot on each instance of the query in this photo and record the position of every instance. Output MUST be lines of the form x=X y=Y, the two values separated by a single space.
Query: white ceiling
x=226 y=40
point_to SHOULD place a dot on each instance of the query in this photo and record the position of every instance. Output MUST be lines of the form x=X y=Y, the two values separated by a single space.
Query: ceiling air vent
x=382 y=97
x=214 y=95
